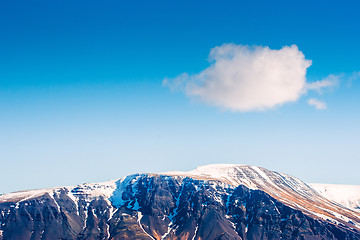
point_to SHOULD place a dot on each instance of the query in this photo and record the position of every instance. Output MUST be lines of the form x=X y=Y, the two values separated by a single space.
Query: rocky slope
x=289 y=190
x=211 y=202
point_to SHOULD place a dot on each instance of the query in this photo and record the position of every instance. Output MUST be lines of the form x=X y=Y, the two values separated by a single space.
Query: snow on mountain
x=316 y=200
x=88 y=191
x=346 y=195
x=285 y=188
x=250 y=176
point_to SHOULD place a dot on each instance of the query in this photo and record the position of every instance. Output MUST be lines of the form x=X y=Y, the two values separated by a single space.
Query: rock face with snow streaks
x=59 y=213
x=212 y=202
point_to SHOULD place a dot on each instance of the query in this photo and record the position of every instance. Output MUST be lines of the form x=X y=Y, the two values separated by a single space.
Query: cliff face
x=152 y=206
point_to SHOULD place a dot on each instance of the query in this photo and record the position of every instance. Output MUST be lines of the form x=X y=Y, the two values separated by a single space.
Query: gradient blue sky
x=81 y=95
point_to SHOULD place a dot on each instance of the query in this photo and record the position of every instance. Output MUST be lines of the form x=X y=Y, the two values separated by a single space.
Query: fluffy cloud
x=317 y=103
x=244 y=78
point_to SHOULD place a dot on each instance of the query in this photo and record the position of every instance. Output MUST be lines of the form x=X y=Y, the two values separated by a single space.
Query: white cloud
x=317 y=103
x=243 y=78
x=328 y=82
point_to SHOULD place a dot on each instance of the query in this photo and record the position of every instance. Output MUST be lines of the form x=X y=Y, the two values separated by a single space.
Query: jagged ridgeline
x=211 y=202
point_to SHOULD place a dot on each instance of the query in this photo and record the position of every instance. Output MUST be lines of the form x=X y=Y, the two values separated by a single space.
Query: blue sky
x=82 y=96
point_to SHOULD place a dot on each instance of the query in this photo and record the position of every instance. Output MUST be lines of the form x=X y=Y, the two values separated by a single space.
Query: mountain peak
x=285 y=188
x=252 y=177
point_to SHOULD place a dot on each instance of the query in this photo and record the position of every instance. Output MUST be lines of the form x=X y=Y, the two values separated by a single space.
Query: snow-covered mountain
x=220 y=201
x=346 y=195
x=310 y=198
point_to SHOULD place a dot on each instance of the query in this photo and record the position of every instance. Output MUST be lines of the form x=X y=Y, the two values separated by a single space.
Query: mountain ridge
x=156 y=204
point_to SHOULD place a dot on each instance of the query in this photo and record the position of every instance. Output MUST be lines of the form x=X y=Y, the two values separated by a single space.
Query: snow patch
x=346 y=195
x=139 y=222
x=195 y=233
x=168 y=231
